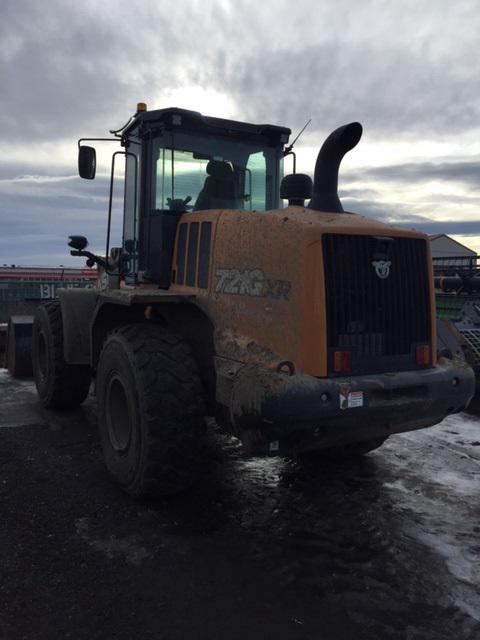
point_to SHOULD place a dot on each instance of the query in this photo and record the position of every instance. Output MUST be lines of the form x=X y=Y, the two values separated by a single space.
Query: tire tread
x=69 y=384
x=171 y=401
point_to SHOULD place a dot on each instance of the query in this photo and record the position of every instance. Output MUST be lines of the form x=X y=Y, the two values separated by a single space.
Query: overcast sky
x=408 y=70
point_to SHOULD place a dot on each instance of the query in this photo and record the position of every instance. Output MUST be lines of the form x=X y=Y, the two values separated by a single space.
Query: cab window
x=198 y=173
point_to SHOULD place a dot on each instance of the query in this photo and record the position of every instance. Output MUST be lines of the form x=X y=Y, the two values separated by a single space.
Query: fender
x=121 y=305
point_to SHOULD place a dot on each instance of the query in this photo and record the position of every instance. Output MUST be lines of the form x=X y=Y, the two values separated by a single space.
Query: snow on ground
x=437 y=479
x=26 y=384
x=4 y=376
x=433 y=476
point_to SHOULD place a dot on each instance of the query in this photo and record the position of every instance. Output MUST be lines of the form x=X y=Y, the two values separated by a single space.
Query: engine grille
x=380 y=320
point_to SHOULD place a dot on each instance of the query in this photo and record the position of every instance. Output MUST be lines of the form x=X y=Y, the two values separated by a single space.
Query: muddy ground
x=384 y=548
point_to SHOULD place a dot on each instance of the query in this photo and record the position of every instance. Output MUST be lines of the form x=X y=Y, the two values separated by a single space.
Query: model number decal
x=251 y=282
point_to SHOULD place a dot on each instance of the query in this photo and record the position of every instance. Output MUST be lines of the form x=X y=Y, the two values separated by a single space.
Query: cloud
x=395 y=68
x=403 y=215
x=465 y=172
x=399 y=69
x=68 y=66
x=38 y=213
x=454 y=227
x=69 y=69
x=58 y=188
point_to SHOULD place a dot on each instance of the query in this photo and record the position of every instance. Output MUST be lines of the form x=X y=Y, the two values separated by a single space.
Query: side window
x=281 y=172
x=163 y=184
x=131 y=211
x=179 y=176
x=255 y=181
x=190 y=175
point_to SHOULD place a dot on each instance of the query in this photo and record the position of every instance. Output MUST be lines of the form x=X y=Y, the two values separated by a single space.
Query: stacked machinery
x=457 y=281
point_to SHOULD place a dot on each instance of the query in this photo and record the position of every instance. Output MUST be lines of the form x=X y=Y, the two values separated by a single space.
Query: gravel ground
x=384 y=548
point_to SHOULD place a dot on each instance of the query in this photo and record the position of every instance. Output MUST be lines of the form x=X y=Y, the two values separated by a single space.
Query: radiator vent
x=377 y=300
x=193 y=254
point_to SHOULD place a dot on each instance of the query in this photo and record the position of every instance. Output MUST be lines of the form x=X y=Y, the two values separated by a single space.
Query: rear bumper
x=302 y=412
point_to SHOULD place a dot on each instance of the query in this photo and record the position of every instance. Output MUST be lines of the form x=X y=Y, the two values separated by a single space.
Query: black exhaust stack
x=325 y=182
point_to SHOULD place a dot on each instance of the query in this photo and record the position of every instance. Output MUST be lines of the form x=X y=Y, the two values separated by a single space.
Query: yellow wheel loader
x=301 y=328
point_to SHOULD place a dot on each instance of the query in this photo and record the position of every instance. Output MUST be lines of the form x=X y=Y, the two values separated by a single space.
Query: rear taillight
x=423 y=354
x=342 y=361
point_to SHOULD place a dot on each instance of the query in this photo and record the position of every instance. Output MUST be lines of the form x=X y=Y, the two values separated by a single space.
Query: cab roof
x=174 y=118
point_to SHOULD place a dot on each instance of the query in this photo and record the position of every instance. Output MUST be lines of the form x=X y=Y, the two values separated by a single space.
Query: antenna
x=116 y=132
x=141 y=108
x=290 y=147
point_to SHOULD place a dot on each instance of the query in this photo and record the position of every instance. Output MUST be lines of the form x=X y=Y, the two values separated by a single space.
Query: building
x=23 y=288
x=447 y=251
x=23 y=274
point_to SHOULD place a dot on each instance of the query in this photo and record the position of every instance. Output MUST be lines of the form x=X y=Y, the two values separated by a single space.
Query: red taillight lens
x=423 y=354
x=342 y=361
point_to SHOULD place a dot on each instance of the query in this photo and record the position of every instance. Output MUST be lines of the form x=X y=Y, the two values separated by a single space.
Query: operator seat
x=219 y=189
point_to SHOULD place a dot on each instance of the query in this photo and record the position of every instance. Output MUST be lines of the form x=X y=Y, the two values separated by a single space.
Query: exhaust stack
x=325 y=182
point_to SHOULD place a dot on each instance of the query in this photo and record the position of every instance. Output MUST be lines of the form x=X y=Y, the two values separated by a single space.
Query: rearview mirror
x=87 y=162
x=77 y=242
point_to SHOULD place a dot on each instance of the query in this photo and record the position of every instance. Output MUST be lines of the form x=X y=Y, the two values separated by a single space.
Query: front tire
x=59 y=385
x=150 y=410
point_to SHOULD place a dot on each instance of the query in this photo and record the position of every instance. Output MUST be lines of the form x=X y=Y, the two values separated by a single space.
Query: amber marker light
x=423 y=354
x=342 y=361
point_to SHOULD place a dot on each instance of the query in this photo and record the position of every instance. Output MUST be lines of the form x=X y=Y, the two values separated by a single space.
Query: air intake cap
x=296 y=188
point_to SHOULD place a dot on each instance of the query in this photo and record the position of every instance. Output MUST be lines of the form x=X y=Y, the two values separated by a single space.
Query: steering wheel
x=179 y=204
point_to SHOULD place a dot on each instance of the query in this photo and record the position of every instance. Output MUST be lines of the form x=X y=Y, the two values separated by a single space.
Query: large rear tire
x=150 y=410
x=59 y=385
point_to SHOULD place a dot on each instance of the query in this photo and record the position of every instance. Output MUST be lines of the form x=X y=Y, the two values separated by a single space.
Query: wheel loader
x=302 y=328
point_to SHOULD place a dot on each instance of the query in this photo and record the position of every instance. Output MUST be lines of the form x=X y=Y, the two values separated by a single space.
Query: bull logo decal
x=382 y=268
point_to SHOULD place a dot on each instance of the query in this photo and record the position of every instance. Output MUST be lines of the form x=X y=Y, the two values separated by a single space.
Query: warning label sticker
x=350 y=400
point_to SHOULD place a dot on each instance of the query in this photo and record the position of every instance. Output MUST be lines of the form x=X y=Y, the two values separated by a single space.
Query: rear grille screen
x=377 y=300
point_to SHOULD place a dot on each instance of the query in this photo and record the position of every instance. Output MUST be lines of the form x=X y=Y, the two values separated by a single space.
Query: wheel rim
x=42 y=359
x=118 y=415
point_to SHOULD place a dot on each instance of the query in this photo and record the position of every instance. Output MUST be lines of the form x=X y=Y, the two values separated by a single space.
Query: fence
x=23 y=296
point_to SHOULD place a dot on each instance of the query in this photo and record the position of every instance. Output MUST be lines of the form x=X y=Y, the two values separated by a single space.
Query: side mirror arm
x=91 y=258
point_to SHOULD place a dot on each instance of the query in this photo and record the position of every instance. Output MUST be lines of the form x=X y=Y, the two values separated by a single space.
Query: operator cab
x=212 y=164
x=179 y=161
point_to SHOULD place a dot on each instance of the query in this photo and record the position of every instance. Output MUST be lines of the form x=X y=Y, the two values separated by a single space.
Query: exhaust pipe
x=325 y=182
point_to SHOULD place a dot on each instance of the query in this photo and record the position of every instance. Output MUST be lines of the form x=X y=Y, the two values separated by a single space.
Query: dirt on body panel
x=267 y=282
